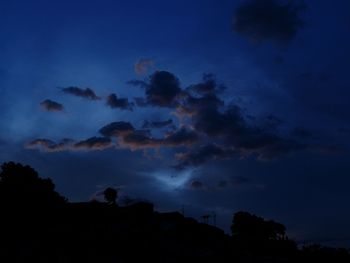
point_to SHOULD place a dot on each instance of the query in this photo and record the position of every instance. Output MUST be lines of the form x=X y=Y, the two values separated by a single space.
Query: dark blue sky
x=257 y=93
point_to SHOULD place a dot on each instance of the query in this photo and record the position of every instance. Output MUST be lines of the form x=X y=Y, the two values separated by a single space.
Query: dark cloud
x=142 y=139
x=195 y=106
x=49 y=145
x=213 y=123
x=141 y=67
x=262 y=144
x=234 y=181
x=227 y=126
x=119 y=128
x=208 y=85
x=223 y=131
x=50 y=105
x=162 y=89
x=84 y=93
x=121 y=103
x=94 y=143
x=181 y=137
x=201 y=155
x=273 y=20
x=197 y=185
x=156 y=124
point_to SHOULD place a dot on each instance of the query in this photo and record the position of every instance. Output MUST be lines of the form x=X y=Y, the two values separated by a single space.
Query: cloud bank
x=268 y=20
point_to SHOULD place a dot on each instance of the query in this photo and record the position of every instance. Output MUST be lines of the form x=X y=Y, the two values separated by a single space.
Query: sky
x=203 y=106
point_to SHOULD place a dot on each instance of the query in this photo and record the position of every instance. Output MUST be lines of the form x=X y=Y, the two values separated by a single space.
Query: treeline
x=40 y=225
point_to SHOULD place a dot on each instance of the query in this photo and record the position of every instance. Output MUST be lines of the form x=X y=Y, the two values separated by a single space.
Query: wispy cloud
x=90 y=144
x=94 y=143
x=49 y=145
x=142 y=66
x=119 y=103
x=86 y=93
x=50 y=105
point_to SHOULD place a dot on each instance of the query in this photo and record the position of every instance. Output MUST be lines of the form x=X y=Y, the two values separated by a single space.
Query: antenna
x=205 y=218
x=213 y=215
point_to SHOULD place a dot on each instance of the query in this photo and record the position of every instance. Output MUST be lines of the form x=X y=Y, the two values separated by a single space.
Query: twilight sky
x=212 y=105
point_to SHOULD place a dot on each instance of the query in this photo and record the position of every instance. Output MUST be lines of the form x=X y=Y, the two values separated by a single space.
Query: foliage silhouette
x=111 y=195
x=21 y=186
x=249 y=226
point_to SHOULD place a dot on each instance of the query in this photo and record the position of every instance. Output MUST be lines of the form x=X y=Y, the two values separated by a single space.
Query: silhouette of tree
x=248 y=226
x=20 y=186
x=111 y=195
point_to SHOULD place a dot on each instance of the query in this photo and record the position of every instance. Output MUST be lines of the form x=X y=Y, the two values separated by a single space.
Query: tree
x=20 y=186
x=111 y=195
x=248 y=226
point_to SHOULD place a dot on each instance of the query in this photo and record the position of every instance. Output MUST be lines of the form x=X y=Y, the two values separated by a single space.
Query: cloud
x=141 y=67
x=162 y=89
x=202 y=154
x=94 y=143
x=49 y=145
x=181 y=137
x=122 y=103
x=197 y=185
x=50 y=105
x=228 y=126
x=208 y=85
x=272 y=20
x=83 y=93
x=210 y=129
x=192 y=106
x=142 y=139
x=139 y=139
x=116 y=129
x=156 y=124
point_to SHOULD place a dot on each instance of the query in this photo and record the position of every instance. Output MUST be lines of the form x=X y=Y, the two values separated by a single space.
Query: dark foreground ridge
x=39 y=225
